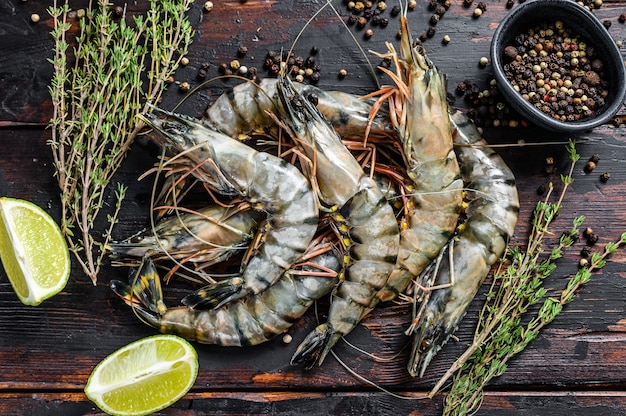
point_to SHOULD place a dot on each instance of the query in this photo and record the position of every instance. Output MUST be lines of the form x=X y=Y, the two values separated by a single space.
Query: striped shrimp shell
x=492 y=213
x=367 y=222
x=269 y=183
x=250 y=321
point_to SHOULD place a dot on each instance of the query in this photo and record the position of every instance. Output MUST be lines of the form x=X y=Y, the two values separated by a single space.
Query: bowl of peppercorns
x=556 y=64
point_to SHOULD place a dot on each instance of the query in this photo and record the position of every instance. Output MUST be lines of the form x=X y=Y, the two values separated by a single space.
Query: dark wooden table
x=577 y=366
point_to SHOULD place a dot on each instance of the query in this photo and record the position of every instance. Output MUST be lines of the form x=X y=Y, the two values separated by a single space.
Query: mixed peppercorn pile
x=555 y=70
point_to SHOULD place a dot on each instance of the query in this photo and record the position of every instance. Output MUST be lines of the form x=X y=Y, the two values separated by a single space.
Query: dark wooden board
x=576 y=366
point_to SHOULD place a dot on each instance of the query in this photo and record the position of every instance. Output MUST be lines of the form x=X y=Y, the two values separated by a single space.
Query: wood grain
x=575 y=367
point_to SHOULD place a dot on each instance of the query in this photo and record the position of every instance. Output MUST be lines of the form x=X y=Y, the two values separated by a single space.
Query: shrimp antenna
x=373 y=384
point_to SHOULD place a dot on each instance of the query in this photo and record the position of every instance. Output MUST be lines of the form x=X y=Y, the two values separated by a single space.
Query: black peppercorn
x=585 y=252
x=605 y=176
x=541 y=190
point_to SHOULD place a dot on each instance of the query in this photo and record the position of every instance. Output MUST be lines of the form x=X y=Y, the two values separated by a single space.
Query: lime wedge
x=144 y=377
x=33 y=251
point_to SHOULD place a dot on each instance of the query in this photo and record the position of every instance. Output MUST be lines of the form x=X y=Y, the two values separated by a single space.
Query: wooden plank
x=496 y=403
x=46 y=353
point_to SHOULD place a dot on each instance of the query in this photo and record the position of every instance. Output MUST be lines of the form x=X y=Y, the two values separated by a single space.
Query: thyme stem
x=516 y=286
x=95 y=101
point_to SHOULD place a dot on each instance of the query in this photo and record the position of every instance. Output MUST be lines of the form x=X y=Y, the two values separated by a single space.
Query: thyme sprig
x=95 y=101
x=508 y=322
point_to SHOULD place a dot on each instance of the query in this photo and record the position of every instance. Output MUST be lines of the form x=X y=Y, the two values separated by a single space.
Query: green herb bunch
x=115 y=71
x=508 y=322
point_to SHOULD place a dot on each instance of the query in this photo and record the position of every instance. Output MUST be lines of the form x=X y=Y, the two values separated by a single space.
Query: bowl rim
x=603 y=40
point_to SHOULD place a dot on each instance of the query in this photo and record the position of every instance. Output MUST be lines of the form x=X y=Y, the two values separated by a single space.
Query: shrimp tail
x=215 y=295
x=315 y=346
x=143 y=292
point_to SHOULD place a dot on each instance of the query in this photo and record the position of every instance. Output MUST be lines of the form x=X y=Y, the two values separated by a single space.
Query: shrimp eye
x=426 y=344
x=313 y=98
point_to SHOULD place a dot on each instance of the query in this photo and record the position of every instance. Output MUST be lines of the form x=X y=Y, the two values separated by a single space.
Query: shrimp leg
x=267 y=182
x=492 y=213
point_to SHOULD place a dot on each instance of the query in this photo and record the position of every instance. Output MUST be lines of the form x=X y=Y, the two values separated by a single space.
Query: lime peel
x=33 y=251
x=144 y=376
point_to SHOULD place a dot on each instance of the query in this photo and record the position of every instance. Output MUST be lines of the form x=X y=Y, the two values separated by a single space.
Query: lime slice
x=33 y=251
x=144 y=377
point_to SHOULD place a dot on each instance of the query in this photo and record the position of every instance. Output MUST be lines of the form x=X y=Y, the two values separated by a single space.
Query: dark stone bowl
x=588 y=28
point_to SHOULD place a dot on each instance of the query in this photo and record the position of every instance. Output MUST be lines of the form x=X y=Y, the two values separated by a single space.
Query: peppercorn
x=592 y=239
x=477 y=12
x=595 y=158
x=430 y=32
x=590 y=166
x=583 y=263
x=434 y=19
x=467 y=3
x=208 y=6
x=342 y=73
x=412 y=4
x=482 y=6
x=184 y=86
x=395 y=10
x=483 y=61
x=541 y=190
x=34 y=18
x=622 y=18
x=119 y=11
x=606 y=24
x=361 y=22
x=509 y=4
x=446 y=39
x=368 y=33
x=605 y=176
x=585 y=252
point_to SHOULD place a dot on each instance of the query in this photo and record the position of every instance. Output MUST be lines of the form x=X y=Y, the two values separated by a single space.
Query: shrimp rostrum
x=492 y=212
x=250 y=321
x=267 y=182
x=365 y=219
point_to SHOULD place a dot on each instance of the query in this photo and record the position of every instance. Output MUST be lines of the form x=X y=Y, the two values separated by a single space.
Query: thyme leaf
x=507 y=323
x=95 y=100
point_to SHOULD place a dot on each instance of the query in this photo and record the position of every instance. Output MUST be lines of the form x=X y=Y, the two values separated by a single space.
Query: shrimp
x=250 y=321
x=492 y=213
x=245 y=108
x=267 y=182
x=435 y=197
x=366 y=222
x=205 y=237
